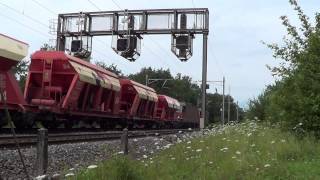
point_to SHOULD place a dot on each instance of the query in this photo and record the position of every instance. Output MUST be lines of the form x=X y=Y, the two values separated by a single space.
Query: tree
x=295 y=99
x=179 y=87
x=113 y=68
x=215 y=106
x=21 y=72
x=47 y=47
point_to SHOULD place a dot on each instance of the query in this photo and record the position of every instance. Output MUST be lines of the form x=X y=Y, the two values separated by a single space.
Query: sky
x=235 y=51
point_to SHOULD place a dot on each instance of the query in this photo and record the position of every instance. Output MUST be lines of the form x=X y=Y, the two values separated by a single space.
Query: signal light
x=76 y=45
x=128 y=45
x=181 y=44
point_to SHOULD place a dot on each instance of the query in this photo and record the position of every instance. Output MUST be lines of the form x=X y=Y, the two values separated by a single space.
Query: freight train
x=62 y=91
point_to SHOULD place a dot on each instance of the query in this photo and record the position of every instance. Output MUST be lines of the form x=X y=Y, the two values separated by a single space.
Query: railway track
x=7 y=141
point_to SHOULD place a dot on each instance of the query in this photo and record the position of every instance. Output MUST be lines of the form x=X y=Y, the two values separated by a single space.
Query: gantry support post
x=204 y=81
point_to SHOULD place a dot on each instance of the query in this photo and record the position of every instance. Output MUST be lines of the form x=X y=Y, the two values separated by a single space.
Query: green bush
x=294 y=101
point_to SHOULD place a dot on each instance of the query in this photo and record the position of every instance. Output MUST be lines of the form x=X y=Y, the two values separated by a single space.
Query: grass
x=243 y=151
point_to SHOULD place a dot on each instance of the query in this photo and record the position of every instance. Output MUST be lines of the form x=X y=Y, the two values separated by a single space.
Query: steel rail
x=7 y=141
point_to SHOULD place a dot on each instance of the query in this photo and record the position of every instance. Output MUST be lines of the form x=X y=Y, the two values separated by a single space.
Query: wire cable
x=93 y=4
x=24 y=25
x=216 y=60
x=31 y=18
x=194 y=6
x=114 y=2
x=13 y=132
x=44 y=7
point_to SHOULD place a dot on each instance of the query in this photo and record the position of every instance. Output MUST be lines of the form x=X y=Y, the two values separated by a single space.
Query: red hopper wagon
x=11 y=52
x=68 y=86
x=65 y=91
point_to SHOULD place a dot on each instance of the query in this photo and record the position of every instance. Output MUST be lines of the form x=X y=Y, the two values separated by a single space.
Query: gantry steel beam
x=147 y=22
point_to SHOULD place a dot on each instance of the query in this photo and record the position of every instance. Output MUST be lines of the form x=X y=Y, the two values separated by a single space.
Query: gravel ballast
x=66 y=158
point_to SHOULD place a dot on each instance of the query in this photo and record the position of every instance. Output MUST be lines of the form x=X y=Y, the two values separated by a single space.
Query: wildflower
x=252 y=145
x=189 y=147
x=249 y=134
x=156 y=143
x=189 y=142
x=224 y=149
x=145 y=156
x=161 y=139
x=146 y=165
x=157 y=134
x=179 y=132
x=272 y=142
x=189 y=129
x=151 y=162
x=283 y=141
x=72 y=169
x=300 y=124
x=210 y=162
x=173 y=158
x=257 y=169
x=135 y=140
x=267 y=165
x=236 y=140
x=198 y=150
x=233 y=157
x=224 y=138
x=69 y=174
x=187 y=159
x=120 y=152
x=41 y=177
x=92 y=166
x=238 y=152
x=201 y=141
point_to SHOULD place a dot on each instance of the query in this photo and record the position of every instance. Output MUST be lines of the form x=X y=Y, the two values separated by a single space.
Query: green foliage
x=118 y=168
x=47 y=47
x=179 y=87
x=185 y=90
x=21 y=72
x=295 y=99
x=215 y=105
x=113 y=68
x=243 y=151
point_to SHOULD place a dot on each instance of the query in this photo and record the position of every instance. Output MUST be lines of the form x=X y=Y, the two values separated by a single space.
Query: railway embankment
x=248 y=150
x=70 y=158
